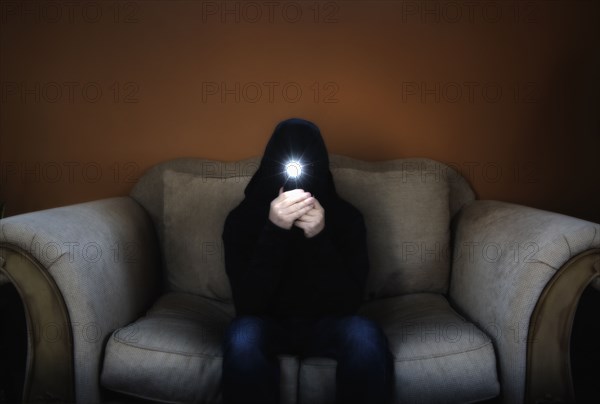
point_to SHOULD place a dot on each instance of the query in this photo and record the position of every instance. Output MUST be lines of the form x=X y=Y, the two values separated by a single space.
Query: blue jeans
x=365 y=365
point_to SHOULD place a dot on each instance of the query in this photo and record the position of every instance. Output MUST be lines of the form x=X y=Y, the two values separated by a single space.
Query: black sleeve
x=254 y=266
x=344 y=264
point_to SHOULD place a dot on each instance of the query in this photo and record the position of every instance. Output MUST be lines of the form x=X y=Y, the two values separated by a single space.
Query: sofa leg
x=49 y=368
x=549 y=375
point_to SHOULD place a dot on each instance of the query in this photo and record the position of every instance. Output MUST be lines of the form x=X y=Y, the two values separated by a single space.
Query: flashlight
x=293 y=170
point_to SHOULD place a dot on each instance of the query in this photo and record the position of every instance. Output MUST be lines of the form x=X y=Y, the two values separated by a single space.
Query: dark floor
x=585 y=349
x=13 y=344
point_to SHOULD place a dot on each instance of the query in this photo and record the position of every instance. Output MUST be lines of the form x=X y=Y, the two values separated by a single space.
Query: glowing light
x=293 y=169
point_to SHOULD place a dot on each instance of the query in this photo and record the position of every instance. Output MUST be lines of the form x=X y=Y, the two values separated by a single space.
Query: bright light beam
x=293 y=169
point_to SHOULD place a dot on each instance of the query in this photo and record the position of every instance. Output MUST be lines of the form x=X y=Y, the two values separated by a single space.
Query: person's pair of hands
x=297 y=208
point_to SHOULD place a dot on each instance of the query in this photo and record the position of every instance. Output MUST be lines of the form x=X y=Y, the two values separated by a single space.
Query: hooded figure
x=297 y=265
x=282 y=272
x=299 y=141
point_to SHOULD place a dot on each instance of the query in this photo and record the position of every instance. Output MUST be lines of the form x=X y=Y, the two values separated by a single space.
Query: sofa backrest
x=407 y=205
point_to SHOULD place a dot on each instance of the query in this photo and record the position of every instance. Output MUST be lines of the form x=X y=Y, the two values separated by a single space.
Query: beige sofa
x=130 y=294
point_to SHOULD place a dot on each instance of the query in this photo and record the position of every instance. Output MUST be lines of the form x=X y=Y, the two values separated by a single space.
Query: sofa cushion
x=173 y=354
x=406 y=212
x=407 y=217
x=316 y=381
x=439 y=356
x=195 y=208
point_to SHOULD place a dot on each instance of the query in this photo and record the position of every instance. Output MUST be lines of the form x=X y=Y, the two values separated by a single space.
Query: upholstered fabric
x=103 y=257
x=316 y=381
x=3 y=278
x=105 y=261
x=406 y=253
x=174 y=354
x=440 y=356
x=149 y=191
x=460 y=191
x=504 y=255
x=195 y=209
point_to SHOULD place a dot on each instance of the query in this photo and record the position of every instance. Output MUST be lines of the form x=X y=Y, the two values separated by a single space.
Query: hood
x=293 y=140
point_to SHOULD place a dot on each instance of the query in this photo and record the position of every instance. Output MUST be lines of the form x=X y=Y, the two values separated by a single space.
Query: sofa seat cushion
x=439 y=356
x=173 y=354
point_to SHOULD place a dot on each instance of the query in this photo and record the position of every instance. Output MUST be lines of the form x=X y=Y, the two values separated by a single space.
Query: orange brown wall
x=93 y=93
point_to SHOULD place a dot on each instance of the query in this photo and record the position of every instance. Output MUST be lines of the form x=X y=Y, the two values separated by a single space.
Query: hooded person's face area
x=296 y=156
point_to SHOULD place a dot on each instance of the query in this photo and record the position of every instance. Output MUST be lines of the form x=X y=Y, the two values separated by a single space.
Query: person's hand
x=289 y=206
x=313 y=221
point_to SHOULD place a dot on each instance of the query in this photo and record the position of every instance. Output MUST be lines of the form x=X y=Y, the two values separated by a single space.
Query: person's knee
x=245 y=334
x=362 y=332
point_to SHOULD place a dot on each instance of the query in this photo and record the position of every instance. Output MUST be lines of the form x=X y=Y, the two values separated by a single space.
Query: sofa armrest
x=82 y=271
x=518 y=272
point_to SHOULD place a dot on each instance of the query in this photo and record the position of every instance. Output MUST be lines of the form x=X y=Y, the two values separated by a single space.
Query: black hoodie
x=279 y=272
